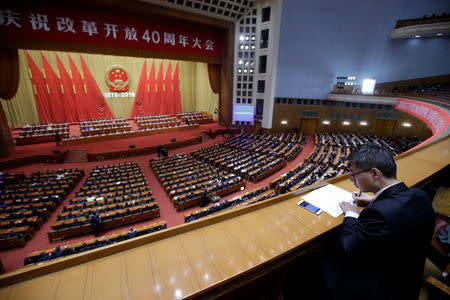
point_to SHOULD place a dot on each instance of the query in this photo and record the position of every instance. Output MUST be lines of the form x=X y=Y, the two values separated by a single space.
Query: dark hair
x=369 y=156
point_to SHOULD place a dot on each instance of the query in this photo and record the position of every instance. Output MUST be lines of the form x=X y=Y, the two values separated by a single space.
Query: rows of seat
x=104 y=127
x=150 y=122
x=44 y=129
x=42 y=133
x=195 y=117
x=285 y=144
x=118 y=193
x=406 y=143
x=43 y=255
x=253 y=196
x=185 y=179
x=27 y=202
x=253 y=156
x=327 y=160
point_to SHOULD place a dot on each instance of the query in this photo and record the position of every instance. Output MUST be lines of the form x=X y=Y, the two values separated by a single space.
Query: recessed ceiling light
x=326 y=122
x=438 y=34
x=406 y=124
x=363 y=123
x=417 y=36
x=346 y=123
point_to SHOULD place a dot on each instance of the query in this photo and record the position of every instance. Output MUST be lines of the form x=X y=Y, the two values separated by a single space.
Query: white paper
x=328 y=198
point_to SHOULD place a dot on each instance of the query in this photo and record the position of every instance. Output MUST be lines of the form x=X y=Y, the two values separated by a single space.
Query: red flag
x=160 y=93
x=53 y=92
x=176 y=90
x=40 y=91
x=78 y=91
x=153 y=97
x=97 y=106
x=139 y=106
x=67 y=95
x=170 y=107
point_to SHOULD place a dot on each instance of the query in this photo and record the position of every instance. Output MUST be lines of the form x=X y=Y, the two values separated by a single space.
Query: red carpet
x=13 y=259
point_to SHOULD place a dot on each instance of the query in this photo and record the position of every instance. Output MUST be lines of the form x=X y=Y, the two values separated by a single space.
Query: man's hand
x=361 y=198
x=347 y=206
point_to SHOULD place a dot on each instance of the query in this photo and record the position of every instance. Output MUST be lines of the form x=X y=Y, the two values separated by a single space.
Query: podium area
x=210 y=257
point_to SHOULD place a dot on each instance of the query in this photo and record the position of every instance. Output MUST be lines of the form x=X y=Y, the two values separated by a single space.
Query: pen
x=359 y=193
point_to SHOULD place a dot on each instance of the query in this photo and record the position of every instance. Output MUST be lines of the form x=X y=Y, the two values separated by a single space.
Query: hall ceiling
x=229 y=10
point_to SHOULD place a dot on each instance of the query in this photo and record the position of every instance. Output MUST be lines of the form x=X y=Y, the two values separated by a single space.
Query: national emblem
x=117 y=78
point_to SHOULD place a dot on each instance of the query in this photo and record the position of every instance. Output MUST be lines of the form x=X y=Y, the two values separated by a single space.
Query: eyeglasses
x=352 y=175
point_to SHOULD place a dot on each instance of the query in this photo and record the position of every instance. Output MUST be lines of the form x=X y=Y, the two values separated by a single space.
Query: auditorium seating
x=327 y=160
x=195 y=117
x=104 y=127
x=186 y=179
x=118 y=193
x=253 y=196
x=156 y=122
x=42 y=133
x=81 y=246
x=27 y=202
x=253 y=156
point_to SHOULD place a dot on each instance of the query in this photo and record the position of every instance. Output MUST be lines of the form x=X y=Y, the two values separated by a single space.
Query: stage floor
x=114 y=145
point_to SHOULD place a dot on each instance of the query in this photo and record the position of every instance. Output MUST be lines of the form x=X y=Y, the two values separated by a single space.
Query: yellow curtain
x=196 y=93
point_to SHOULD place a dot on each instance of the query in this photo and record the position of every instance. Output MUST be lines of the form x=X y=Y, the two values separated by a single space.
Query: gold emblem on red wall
x=117 y=78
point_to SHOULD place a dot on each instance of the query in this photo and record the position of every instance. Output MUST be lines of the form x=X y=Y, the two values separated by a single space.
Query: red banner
x=81 y=27
x=435 y=118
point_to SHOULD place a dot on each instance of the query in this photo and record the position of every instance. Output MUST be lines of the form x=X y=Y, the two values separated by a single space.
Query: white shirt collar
x=382 y=190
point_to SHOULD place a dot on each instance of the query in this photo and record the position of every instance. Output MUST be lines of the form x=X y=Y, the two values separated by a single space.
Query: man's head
x=372 y=167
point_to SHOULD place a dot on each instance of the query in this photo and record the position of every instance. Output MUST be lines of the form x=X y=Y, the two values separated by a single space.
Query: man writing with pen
x=384 y=245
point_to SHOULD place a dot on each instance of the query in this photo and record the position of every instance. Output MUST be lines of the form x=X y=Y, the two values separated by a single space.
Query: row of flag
x=73 y=95
x=158 y=95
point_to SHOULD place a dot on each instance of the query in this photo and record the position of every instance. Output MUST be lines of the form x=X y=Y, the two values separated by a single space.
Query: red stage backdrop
x=81 y=27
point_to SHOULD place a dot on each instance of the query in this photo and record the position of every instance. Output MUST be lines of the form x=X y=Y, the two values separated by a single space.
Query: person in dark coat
x=96 y=222
x=204 y=201
x=158 y=150
x=57 y=138
x=382 y=247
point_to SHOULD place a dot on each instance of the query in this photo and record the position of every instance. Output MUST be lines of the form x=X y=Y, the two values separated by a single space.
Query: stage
x=114 y=148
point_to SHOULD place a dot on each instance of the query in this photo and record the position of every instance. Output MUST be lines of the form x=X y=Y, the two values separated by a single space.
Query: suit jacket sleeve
x=364 y=234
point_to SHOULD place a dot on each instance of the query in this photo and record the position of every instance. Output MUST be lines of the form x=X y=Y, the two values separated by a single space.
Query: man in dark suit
x=384 y=246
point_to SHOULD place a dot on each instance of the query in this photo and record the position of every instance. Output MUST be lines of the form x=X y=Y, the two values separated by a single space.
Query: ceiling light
x=346 y=123
x=284 y=122
x=241 y=38
x=368 y=86
x=253 y=38
x=241 y=62
x=326 y=122
x=363 y=123
x=245 y=71
x=253 y=47
x=406 y=124
x=246 y=47
x=438 y=34
x=417 y=36
x=247 y=37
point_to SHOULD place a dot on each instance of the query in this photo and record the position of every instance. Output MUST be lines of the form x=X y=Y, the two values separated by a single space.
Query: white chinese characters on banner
x=111 y=29
x=8 y=17
x=65 y=25
x=40 y=22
